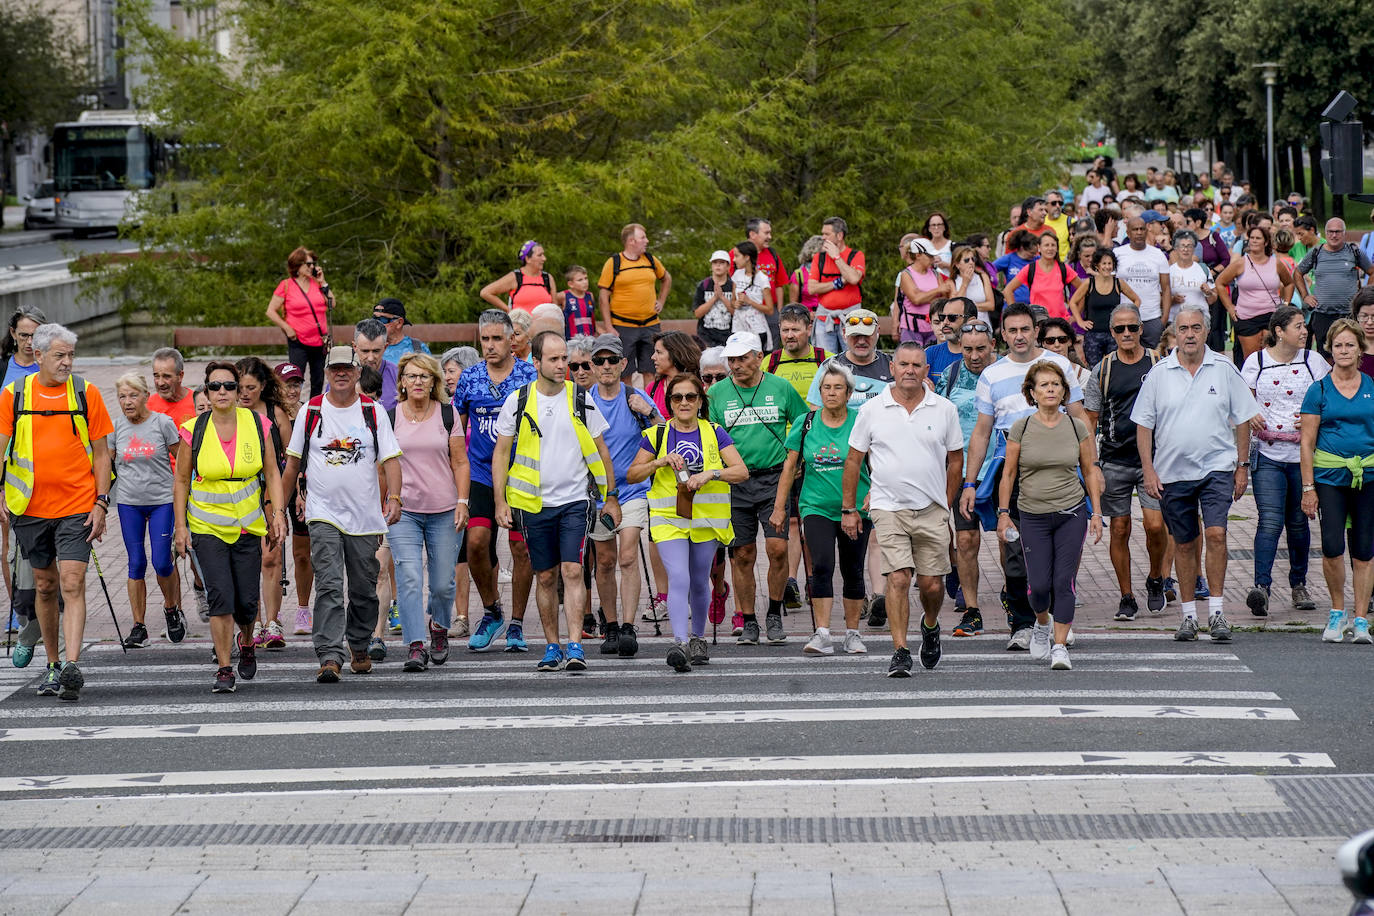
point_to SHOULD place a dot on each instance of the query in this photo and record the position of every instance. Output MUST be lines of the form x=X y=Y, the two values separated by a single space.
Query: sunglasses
x=712 y=379
x=1055 y=339
x=221 y=386
x=683 y=397
x=580 y=367
x=1125 y=329
x=976 y=326
x=948 y=318
x=605 y=360
x=855 y=320
x=1054 y=203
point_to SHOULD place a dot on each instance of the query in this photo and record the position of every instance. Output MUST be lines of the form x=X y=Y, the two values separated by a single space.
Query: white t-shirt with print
x=563 y=480
x=1141 y=269
x=1187 y=282
x=749 y=293
x=1279 y=388
x=342 y=467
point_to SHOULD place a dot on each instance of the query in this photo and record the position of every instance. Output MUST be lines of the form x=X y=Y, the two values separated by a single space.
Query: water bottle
x=1012 y=536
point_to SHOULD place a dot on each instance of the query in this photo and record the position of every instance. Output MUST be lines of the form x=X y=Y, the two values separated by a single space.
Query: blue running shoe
x=576 y=660
x=1170 y=590
x=393 y=617
x=14 y=624
x=22 y=655
x=487 y=632
x=1201 y=591
x=552 y=660
x=515 y=637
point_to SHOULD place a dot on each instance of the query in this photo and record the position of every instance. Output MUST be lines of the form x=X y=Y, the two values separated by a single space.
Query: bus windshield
x=102 y=158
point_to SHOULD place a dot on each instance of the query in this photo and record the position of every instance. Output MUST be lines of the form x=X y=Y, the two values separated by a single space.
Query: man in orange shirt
x=171 y=397
x=629 y=305
x=837 y=272
x=57 y=480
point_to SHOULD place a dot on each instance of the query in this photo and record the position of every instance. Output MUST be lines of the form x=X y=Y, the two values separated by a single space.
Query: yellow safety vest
x=522 y=486
x=710 y=505
x=19 y=460
x=225 y=501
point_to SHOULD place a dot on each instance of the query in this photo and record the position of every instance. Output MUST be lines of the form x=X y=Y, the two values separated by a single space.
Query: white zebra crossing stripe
x=630 y=719
x=732 y=766
x=240 y=705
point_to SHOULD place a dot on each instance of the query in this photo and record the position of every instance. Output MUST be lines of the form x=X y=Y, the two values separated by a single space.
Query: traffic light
x=1344 y=168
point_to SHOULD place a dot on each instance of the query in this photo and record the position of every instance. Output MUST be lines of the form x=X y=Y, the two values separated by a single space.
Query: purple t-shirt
x=688 y=445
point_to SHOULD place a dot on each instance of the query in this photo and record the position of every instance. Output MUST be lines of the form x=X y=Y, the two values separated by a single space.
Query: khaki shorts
x=633 y=514
x=913 y=539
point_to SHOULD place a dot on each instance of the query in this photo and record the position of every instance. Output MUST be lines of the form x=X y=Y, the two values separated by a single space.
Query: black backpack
x=198 y=438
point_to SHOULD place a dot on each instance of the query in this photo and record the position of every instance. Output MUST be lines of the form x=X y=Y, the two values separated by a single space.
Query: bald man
x=1146 y=269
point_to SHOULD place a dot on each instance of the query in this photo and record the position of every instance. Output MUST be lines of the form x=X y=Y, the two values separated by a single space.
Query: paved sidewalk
x=1097 y=582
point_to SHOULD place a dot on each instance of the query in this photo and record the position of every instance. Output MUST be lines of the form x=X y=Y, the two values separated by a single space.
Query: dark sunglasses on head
x=982 y=326
x=1055 y=339
x=796 y=312
x=580 y=367
x=1125 y=329
x=605 y=360
x=218 y=386
x=679 y=397
x=712 y=379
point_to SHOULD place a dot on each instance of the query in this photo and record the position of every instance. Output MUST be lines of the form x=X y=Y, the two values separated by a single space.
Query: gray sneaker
x=1302 y=599
x=1020 y=640
x=697 y=651
x=750 y=635
x=818 y=645
x=1218 y=628
x=776 y=636
x=1040 y=642
x=854 y=644
x=1187 y=630
x=71 y=681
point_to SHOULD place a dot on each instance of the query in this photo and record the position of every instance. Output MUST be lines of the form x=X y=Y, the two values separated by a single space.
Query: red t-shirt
x=306 y=312
x=823 y=268
x=179 y=411
x=1048 y=291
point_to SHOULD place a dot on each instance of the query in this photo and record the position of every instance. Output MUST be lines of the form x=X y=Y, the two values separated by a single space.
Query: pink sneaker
x=737 y=624
x=304 y=625
x=258 y=636
x=718 y=599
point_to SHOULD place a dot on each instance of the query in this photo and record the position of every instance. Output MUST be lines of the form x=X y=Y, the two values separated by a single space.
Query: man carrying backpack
x=339 y=440
x=1335 y=269
x=392 y=313
x=629 y=305
x=53 y=429
x=837 y=275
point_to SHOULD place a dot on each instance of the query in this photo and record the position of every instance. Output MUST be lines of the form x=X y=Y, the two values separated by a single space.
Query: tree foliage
x=416 y=145
x=42 y=75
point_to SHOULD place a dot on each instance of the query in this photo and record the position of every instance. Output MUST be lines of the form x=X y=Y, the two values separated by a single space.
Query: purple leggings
x=689 y=583
x=1053 y=544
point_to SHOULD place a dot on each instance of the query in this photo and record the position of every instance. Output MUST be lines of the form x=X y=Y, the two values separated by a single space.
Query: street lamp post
x=1270 y=71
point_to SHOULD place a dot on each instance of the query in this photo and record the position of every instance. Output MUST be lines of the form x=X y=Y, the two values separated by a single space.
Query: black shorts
x=43 y=541
x=1184 y=499
x=751 y=505
x=639 y=347
x=966 y=524
x=299 y=528
x=1249 y=327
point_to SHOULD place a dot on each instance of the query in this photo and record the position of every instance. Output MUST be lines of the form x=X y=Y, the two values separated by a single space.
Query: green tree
x=415 y=145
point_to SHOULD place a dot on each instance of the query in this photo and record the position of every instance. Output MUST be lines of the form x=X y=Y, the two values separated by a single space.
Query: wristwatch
x=1243 y=464
x=103 y=499
x=1003 y=510
x=715 y=474
x=613 y=493
x=851 y=511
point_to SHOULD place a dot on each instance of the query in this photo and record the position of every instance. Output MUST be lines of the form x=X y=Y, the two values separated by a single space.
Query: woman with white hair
x=144 y=442
x=520 y=335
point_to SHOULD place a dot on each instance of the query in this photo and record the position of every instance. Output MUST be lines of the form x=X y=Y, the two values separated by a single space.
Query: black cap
x=390 y=308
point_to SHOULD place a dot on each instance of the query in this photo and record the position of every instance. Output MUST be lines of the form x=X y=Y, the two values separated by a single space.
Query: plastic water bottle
x=1012 y=536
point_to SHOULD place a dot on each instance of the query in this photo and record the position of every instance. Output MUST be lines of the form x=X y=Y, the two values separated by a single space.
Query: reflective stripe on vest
x=710 y=505
x=522 y=483
x=19 y=468
x=225 y=501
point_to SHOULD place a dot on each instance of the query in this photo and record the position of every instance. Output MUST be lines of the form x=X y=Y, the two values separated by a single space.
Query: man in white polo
x=915 y=447
x=1192 y=420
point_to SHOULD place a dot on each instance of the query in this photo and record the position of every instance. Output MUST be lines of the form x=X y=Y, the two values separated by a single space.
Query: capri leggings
x=689 y=583
x=1336 y=504
x=1053 y=544
x=823 y=537
x=157 y=521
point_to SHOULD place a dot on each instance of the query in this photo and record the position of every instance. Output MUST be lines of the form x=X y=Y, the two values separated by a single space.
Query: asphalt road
x=51 y=252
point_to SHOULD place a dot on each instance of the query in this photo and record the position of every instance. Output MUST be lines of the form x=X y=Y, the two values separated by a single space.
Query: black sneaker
x=971 y=624
x=791 y=595
x=224 y=680
x=877 y=614
x=248 y=658
x=417 y=658
x=610 y=645
x=930 y=646
x=750 y=635
x=589 y=626
x=627 y=641
x=900 y=666
x=176 y=624
x=1258 y=601
x=137 y=638
x=49 y=686
x=71 y=681
x=1127 y=609
x=677 y=658
x=1154 y=594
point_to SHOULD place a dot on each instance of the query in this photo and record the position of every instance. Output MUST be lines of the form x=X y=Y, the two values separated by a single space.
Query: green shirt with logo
x=823 y=462
x=757 y=418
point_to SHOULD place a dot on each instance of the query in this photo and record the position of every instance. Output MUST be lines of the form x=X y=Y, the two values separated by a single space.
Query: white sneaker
x=854 y=644
x=504 y=576
x=818 y=645
x=1059 y=659
x=1336 y=623
x=1040 y=642
x=1020 y=640
x=1070 y=639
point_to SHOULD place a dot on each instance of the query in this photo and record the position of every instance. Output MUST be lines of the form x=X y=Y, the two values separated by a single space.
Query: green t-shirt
x=826 y=450
x=757 y=418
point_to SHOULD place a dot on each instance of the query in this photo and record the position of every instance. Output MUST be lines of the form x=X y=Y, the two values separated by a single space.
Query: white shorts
x=633 y=514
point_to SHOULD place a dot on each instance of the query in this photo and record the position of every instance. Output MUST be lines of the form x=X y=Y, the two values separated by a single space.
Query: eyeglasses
x=218 y=386
x=712 y=379
x=855 y=320
x=415 y=376
x=1125 y=329
x=580 y=367
x=982 y=326
x=605 y=360
x=1366 y=317
x=1055 y=339
x=683 y=397
x=22 y=336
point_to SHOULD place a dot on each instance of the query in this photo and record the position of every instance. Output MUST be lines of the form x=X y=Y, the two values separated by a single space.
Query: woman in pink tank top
x=1263 y=283
x=525 y=287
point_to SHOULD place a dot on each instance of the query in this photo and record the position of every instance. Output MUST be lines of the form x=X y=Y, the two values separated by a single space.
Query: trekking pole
x=104 y=588
x=649 y=582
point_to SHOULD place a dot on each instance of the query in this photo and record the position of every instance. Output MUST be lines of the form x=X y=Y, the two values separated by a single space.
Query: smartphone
x=608 y=521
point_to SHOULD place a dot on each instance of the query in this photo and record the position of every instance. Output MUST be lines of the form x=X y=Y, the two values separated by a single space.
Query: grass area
x=11 y=201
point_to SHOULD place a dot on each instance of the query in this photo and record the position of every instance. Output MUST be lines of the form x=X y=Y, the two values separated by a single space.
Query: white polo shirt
x=1193 y=415
x=907 y=451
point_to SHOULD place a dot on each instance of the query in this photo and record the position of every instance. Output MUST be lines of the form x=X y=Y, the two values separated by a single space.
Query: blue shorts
x=556 y=535
x=1183 y=499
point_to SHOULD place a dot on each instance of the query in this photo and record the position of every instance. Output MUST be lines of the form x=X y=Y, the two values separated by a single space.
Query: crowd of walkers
x=1137 y=345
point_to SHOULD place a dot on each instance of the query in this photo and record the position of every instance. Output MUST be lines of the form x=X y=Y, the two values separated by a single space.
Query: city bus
x=101 y=162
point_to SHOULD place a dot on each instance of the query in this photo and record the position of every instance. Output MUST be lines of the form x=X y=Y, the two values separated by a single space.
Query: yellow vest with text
x=227 y=501
x=522 y=485
x=19 y=461
x=710 y=505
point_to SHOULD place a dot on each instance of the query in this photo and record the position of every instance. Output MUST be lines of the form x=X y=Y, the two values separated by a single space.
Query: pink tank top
x=1257 y=289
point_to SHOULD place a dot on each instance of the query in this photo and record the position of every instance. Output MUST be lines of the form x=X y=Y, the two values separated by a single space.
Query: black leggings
x=823 y=537
x=1335 y=505
x=311 y=358
x=1053 y=544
